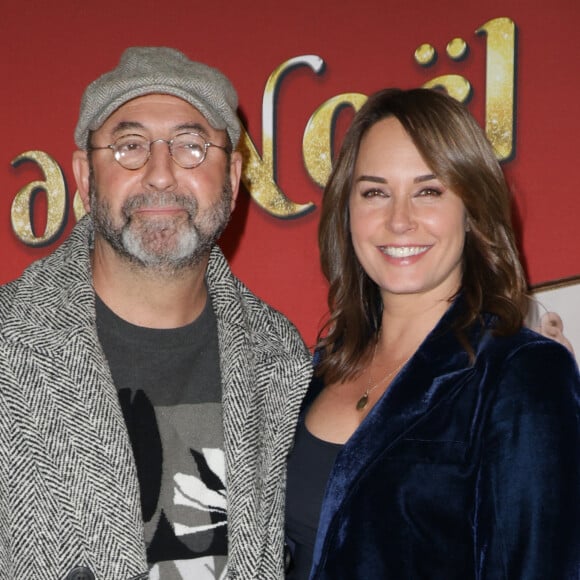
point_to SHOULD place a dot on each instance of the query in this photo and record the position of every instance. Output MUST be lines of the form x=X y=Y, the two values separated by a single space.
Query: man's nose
x=160 y=168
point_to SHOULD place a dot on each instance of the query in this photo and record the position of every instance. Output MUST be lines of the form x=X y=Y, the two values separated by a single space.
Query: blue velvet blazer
x=462 y=470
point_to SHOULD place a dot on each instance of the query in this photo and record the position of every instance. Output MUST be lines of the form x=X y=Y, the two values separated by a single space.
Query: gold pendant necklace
x=364 y=400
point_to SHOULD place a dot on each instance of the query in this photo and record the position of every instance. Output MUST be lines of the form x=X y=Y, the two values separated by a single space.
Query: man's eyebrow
x=195 y=127
x=135 y=125
x=125 y=125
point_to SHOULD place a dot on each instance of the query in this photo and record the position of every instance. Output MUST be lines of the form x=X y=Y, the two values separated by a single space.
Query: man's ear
x=81 y=170
x=235 y=175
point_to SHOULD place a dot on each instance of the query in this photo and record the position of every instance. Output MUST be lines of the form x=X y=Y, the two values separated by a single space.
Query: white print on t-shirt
x=190 y=491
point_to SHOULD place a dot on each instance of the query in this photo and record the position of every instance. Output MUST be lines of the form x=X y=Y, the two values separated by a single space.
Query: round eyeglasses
x=188 y=150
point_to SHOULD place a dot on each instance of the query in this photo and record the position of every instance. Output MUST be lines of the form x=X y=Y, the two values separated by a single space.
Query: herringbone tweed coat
x=69 y=494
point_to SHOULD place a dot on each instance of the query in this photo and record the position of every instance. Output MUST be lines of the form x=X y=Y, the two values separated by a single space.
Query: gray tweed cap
x=147 y=70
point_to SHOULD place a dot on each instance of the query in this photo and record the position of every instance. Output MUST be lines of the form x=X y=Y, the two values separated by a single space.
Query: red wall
x=50 y=54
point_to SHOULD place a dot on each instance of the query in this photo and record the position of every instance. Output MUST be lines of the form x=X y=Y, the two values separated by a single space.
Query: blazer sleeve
x=527 y=514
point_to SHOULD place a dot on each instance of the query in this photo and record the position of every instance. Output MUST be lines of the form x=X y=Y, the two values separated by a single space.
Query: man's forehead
x=155 y=110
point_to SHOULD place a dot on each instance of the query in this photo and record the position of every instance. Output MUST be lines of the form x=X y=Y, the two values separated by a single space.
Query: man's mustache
x=148 y=200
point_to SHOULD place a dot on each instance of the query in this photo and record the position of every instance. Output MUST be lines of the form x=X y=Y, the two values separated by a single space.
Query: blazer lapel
x=437 y=370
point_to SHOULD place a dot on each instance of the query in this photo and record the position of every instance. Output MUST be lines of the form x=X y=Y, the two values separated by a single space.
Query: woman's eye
x=429 y=192
x=369 y=193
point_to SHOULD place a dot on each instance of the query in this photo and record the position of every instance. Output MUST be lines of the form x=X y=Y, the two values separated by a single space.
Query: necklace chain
x=364 y=400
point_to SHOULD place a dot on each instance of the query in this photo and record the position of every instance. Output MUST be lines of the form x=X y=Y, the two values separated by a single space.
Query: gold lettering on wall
x=456 y=86
x=500 y=84
x=21 y=215
x=500 y=54
x=259 y=175
x=317 y=141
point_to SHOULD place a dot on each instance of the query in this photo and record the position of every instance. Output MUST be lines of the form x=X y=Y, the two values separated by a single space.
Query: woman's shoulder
x=523 y=344
x=529 y=365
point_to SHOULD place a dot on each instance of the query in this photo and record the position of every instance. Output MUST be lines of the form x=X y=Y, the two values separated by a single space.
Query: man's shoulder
x=46 y=287
x=262 y=310
x=231 y=297
x=56 y=270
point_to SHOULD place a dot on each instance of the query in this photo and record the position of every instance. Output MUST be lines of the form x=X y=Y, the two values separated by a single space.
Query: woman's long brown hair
x=458 y=152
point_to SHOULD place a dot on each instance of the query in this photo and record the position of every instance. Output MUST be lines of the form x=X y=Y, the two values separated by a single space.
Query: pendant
x=362 y=402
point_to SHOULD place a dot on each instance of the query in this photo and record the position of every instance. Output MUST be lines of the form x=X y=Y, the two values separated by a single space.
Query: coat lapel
x=265 y=371
x=437 y=370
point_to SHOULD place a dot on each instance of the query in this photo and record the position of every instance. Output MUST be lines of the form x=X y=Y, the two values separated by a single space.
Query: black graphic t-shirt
x=170 y=392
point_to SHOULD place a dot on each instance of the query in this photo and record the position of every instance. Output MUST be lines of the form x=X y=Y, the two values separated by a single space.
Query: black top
x=309 y=466
x=169 y=387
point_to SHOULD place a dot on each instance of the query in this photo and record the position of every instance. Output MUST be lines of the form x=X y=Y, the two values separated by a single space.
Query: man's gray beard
x=162 y=243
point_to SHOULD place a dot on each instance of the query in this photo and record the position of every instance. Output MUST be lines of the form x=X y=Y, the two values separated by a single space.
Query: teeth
x=403 y=251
